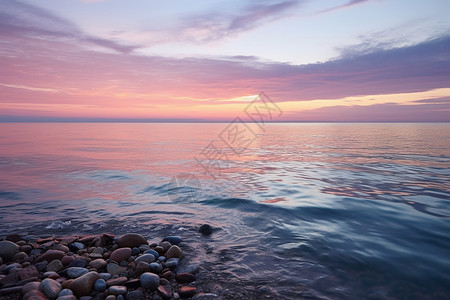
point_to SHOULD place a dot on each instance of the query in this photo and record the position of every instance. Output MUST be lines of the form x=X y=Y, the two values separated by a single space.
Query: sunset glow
x=206 y=61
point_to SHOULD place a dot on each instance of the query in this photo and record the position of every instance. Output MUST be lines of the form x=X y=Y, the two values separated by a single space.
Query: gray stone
x=151 y=251
x=173 y=239
x=172 y=263
x=55 y=266
x=76 y=272
x=135 y=295
x=115 y=269
x=174 y=251
x=82 y=286
x=155 y=267
x=100 y=285
x=148 y=258
x=50 y=288
x=149 y=281
x=65 y=292
x=191 y=269
x=8 y=249
x=117 y=290
x=105 y=276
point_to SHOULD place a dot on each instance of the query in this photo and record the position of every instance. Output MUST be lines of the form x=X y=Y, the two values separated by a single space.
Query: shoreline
x=101 y=266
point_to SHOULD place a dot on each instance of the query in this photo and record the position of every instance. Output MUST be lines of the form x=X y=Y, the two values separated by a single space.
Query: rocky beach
x=101 y=266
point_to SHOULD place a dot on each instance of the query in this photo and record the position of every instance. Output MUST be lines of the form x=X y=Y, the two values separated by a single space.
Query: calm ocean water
x=303 y=211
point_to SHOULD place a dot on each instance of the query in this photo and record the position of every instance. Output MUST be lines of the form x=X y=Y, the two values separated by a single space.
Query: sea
x=299 y=210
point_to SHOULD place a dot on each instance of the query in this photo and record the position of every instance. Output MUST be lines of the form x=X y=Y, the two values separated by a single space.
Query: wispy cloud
x=21 y=19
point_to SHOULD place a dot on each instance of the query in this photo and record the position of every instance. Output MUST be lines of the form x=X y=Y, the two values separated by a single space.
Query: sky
x=178 y=60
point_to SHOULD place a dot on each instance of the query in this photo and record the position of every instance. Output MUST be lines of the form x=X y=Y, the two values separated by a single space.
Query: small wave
x=59 y=225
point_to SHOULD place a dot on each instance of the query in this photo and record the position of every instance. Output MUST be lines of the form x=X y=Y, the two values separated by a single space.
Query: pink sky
x=54 y=69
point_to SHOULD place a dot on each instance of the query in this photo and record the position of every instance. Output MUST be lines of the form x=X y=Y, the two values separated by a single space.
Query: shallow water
x=304 y=211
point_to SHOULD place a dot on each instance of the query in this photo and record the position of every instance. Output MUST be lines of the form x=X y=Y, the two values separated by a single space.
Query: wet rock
x=172 y=263
x=34 y=295
x=149 y=281
x=116 y=281
x=164 y=289
x=76 y=272
x=148 y=258
x=50 y=256
x=30 y=286
x=131 y=240
x=82 y=286
x=187 y=291
x=135 y=295
x=41 y=266
x=28 y=272
x=105 y=276
x=100 y=285
x=50 y=288
x=79 y=263
x=65 y=292
x=61 y=247
x=67 y=297
x=133 y=283
x=193 y=268
x=98 y=263
x=165 y=245
x=8 y=249
x=173 y=239
x=14 y=237
x=205 y=229
x=117 y=290
x=55 y=266
x=76 y=246
x=155 y=267
x=19 y=256
x=66 y=260
x=120 y=254
x=185 y=277
x=174 y=252
x=115 y=269
x=151 y=251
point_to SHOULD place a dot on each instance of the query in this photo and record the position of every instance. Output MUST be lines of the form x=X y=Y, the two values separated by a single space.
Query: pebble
x=82 y=286
x=115 y=269
x=172 y=262
x=117 y=281
x=65 y=292
x=105 y=276
x=165 y=245
x=135 y=295
x=173 y=239
x=110 y=297
x=34 y=295
x=192 y=269
x=174 y=251
x=148 y=258
x=80 y=263
x=155 y=267
x=117 y=290
x=50 y=288
x=131 y=240
x=187 y=291
x=76 y=272
x=75 y=247
x=8 y=249
x=135 y=251
x=51 y=255
x=205 y=229
x=30 y=286
x=120 y=254
x=151 y=251
x=185 y=277
x=55 y=266
x=149 y=281
x=161 y=258
x=98 y=263
x=100 y=285
x=67 y=297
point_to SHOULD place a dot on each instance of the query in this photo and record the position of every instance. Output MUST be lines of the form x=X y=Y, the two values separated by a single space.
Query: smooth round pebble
x=117 y=290
x=148 y=258
x=155 y=267
x=151 y=251
x=149 y=281
x=100 y=285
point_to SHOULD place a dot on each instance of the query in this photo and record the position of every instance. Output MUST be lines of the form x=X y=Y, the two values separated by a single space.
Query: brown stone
x=30 y=286
x=174 y=251
x=66 y=284
x=67 y=260
x=120 y=254
x=28 y=272
x=185 y=277
x=116 y=281
x=131 y=240
x=34 y=295
x=165 y=291
x=50 y=256
x=82 y=286
x=45 y=240
x=187 y=291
